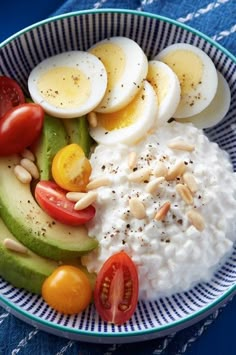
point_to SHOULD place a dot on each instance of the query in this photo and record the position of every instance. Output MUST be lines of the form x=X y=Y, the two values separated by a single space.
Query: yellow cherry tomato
x=71 y=169
x=67 y=290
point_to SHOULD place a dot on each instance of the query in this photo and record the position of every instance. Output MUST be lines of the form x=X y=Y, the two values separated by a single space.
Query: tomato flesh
x=20 y=127
x=53 y=201
x=67 y=290
x=116 y=289
x=10 y=94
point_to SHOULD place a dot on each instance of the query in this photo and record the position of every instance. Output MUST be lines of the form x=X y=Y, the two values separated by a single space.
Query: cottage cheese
x=171 y=255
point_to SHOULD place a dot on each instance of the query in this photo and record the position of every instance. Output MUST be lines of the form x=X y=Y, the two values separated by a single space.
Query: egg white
x=143 y=116
x=124 y=56
x=167 y=88
x=86 y=66
x=217 y=109
x=191 y=63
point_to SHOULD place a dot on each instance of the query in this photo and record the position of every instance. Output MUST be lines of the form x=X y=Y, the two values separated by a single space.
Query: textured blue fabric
x=216 y=19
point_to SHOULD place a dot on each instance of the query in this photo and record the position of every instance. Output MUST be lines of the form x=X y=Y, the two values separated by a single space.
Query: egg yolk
x=64 y=87
x=124 y=117
x=113 y=59
x=159 y=81
x=187 y=66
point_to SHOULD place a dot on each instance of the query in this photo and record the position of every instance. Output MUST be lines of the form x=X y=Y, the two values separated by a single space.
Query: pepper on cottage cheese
x=165 y=206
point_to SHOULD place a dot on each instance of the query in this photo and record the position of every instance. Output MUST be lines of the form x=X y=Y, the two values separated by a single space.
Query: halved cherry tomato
x=116 y=289
x=67 y=290
x=10 y=94
x=20 y=127
x=53 y=201
x=71 y=169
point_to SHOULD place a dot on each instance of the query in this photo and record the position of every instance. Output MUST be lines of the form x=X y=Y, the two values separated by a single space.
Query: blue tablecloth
x=214 y=335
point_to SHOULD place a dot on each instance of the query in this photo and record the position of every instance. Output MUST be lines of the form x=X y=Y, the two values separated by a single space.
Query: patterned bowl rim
x=176 y=324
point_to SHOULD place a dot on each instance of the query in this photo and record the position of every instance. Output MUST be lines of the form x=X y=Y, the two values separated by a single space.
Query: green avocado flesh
x=52 y=139
x=78 y=132
x=31 y=225
x=26 y=271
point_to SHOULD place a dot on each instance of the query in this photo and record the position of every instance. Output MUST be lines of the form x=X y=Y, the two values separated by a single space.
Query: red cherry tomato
x=20 y=127
x=116 y=289
x=53 y=201
x=10 y=94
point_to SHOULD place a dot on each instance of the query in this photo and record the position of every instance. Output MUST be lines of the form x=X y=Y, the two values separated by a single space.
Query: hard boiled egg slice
x=69 y=84
x=167 y=87
x=197 y=75
x=126 y=66
x=130 y=123
x=217 y=109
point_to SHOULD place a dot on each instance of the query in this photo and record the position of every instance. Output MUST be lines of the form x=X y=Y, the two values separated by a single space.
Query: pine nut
x=14 y=245
x=98 y=182
x=162 y=212
x=132 y=160
x=30 y=167
x=137 y=208
x=184 y=193
x=28 y=154
x=153 y=185
x=177 y=170
x=181 y=145
x=160 y=169
x=92 y=119
x=139 y=175
x=75 y=196
x=196 y=219
x=190 y=181
x=86 y=201
x=22 y=174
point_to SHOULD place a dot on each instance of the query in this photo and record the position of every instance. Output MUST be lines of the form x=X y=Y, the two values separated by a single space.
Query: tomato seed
x=123 y=307
x=128 y=283
x=106 y=285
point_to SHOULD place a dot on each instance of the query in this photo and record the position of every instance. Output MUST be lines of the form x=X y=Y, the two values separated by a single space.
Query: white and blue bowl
x=78 y=31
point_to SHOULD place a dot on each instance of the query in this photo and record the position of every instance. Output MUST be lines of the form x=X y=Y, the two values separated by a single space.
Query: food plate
x=79 y=30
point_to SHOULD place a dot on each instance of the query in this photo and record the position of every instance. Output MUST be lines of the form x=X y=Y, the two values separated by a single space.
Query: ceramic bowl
x=19 y=54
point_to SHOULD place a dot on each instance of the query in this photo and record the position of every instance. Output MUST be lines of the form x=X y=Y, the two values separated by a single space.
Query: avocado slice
x=78 y=132
x=26 y=271
x=31 y=225
x=52 y=139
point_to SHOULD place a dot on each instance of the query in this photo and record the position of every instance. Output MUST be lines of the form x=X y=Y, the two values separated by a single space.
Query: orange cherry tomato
x=71 y=169
x=67 y=290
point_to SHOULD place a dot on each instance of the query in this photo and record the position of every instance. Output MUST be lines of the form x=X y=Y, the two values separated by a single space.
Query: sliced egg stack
x=127 y=94
x=205 y=94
